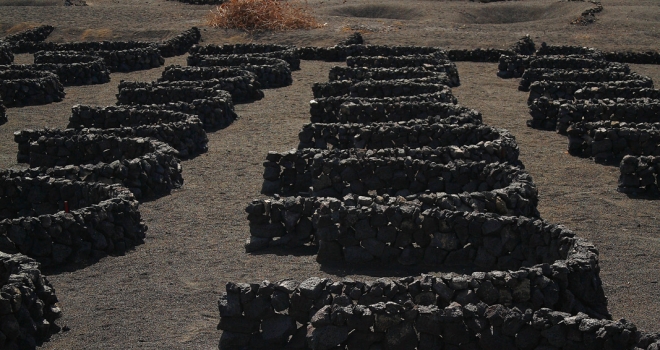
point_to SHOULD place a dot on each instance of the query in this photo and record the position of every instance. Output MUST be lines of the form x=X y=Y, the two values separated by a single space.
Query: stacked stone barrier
x=37 y=34
x=214 y=108
x=183 y=132
x=26 y=87
x=297 y=170
x=356 y=109
x=58 y=221
x=430 y=132
x=364 y=73
x=558 y=273
x=6 y=56
x=513 y=66
x=271 y=72
x=434 y=62
x=29 y=303
x=639 y=175
x=611 y=140
x=602 y=92
x=119 y=56
x=477 y=55
x=648 y=57
x=594 y=75
x=524 y=46
x=566 y=90
x=73 y=68
x=339 y=53
x=353 y=39
x=181 y=43
x=147 y=167
x=567 y=50
x=559 y=115
x=383 y=88
x=284 y=52
x=243 y=85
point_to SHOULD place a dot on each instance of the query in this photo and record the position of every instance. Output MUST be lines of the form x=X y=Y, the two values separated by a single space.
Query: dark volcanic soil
x=163 y=294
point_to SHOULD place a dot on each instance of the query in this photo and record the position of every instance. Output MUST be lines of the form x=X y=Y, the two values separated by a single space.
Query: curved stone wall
x=339 y=53
x=181 y=43
x=184 y=132
x=271 y=72
x=287 y=53
x=566 y=90
x=25 y=87
x=382 y=88
x=147 y=167
x=103 y=219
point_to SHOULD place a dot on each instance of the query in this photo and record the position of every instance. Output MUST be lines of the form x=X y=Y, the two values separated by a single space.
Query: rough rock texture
x=37 y=34
x=284 y=52
x=607 y=141
x=566 y=90
x=147 y=167
x=593 y=75
x=271 y=72
x=181 y=43
x=339 y=53
x=382 y=88
x=25 y=87
x=102 y=219
x=29 y=303
x=184 y=132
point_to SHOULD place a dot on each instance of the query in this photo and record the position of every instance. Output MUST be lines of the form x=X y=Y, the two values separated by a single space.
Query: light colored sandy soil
x=163 y=294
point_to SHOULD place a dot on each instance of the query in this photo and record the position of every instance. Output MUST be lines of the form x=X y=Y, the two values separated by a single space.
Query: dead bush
x=258 y=15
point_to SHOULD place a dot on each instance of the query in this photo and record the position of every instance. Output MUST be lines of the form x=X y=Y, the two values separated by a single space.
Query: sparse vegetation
x=259 y=15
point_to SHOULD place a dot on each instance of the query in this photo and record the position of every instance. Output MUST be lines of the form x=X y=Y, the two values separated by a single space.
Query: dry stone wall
x=37 y=34
x=287 y=53
x=241 y=84
x=334 y=108
x=435 y=62
x=295 y=171
x=606 y=141
x=383 y=88
x=214 y=108
x=363 y=73
x=559 y=115
x=181 y=43
x=477 y=55
x=593 y=75
x=339 y=53
x=271 y=72
x=639 y=175
x=183 y=132
x=101 y=219
x=6 y=56
x=147 y=167
x=566 y=90
x=29 y=304
x=25 y=87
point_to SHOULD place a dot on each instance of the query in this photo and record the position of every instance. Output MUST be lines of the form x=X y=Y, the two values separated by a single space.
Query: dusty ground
x=163 y=294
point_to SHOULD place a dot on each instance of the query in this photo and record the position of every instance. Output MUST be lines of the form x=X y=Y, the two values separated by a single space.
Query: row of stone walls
x=241 y=84
x=102 y=219
x=71 y=74
x=340 y=53
x=271 y=72
x=37 y=34
x=382 y=88
x=593 y=75
x=181 y=43
x=286 y=53
x=364 y=73
x=6 y=55
x=434 y=62
x=567 y=90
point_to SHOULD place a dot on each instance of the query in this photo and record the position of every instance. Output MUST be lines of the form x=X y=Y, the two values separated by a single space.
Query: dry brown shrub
x=258 y=15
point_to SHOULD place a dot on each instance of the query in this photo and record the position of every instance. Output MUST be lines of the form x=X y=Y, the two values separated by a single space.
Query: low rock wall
x=431 y=132
x=214 y=108
x=242 y=85
x=287 y=53
x=25 y=87
x=149 y=168
x=567 y=50
x=594 y=75
x=295 y=171
x=615 y=92
x=477 y=55
x=565 y=90
x=639 y=175
x=37 y=34
x=382 y=88
x=203 y=2
x=363 y=73
x=30 y=304
x=434 y=62
x=355 y=110
x=340 y=53
x=607 y=141
x=181 y=43
x=487 y=241
x=330 y=107
x=72 y=70
x=559 y=115
x=271 y=72
x=649 y=57
x=183 y=132
x=6 y=56
x=103 y=219
x=514 y=66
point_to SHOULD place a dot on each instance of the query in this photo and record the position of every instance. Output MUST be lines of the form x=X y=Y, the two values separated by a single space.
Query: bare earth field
x=163 y=294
